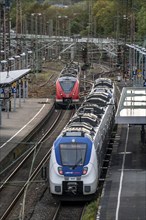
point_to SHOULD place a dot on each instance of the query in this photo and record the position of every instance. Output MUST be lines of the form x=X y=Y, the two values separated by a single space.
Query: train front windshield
x=73 y=154
x=67 y=86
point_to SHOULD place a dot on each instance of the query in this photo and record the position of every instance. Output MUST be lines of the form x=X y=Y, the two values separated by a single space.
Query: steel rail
x=35 y=172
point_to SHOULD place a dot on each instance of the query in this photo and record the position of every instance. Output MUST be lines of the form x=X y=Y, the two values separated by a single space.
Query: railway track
x=69 y=211
x=89 y=80
x=33 y=172
x=12 y=188
x=75 y=210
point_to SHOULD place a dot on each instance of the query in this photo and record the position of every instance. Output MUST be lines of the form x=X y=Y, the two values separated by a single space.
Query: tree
x=104 y=12
x=141 y=23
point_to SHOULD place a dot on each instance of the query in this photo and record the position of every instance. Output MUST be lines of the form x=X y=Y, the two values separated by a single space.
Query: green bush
x=90 y=211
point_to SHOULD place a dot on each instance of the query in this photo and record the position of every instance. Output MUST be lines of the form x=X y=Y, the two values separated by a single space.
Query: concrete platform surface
x=17 y=125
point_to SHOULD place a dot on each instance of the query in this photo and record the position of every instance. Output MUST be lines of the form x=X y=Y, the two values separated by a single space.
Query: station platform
x=124 y=191
x=16 y=125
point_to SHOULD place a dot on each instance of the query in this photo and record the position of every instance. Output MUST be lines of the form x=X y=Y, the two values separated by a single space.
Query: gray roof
x=12 y=76
x=132 y=106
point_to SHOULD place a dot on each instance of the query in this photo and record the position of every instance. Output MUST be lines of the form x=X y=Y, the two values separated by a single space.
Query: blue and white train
x=78 y=152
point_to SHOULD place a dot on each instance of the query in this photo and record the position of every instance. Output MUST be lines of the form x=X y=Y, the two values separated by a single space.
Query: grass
x=90 y=211
x=51 y=68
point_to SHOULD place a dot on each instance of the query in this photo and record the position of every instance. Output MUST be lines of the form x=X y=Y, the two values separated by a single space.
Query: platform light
x=29 y=52
x=3 y=61
x=17 y=56
x=22 y=54
x=11 y=59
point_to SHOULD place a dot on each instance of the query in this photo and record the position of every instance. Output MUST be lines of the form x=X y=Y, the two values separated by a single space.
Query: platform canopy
x=132 y=106
x=8 y=77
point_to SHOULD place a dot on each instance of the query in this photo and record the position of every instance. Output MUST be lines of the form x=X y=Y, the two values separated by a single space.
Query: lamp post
x=17 y=57
x=36 y=49
x=63 y=18
x=49 y=28
x=22 y=55
x=125 y=20
x=3 y=64
x=29 y=59
x=8 y=67
x=144 y=73
x=2 y=54
x=10 y=60
x=36 y=22
x=62 y=27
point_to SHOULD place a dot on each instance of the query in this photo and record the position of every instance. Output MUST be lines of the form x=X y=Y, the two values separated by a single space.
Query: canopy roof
x=132 y=106
x=12 y=76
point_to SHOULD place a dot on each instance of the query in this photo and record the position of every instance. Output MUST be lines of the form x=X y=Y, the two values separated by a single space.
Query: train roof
x=69 y=71
x=86 y=121
x=104 y=96
x=98 y=101
x=78 y=132
x=67 y=78
x=88 y=118
x=82 y=125
x=102 y=82
x=102 y=89
x=91 y=108
x=72 y=64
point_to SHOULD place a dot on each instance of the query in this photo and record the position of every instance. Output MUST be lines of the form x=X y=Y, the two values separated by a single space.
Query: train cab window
x=67 y=86
x=73 y=154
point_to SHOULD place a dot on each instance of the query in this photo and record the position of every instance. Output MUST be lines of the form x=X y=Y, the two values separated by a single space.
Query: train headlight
x=60 y=171
x=85 y=170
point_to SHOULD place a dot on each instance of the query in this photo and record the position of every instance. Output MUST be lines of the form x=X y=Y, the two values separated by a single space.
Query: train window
x=67 y=86
x=73 y=154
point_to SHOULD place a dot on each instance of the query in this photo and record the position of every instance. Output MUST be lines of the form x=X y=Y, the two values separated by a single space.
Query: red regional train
x=67 y=86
